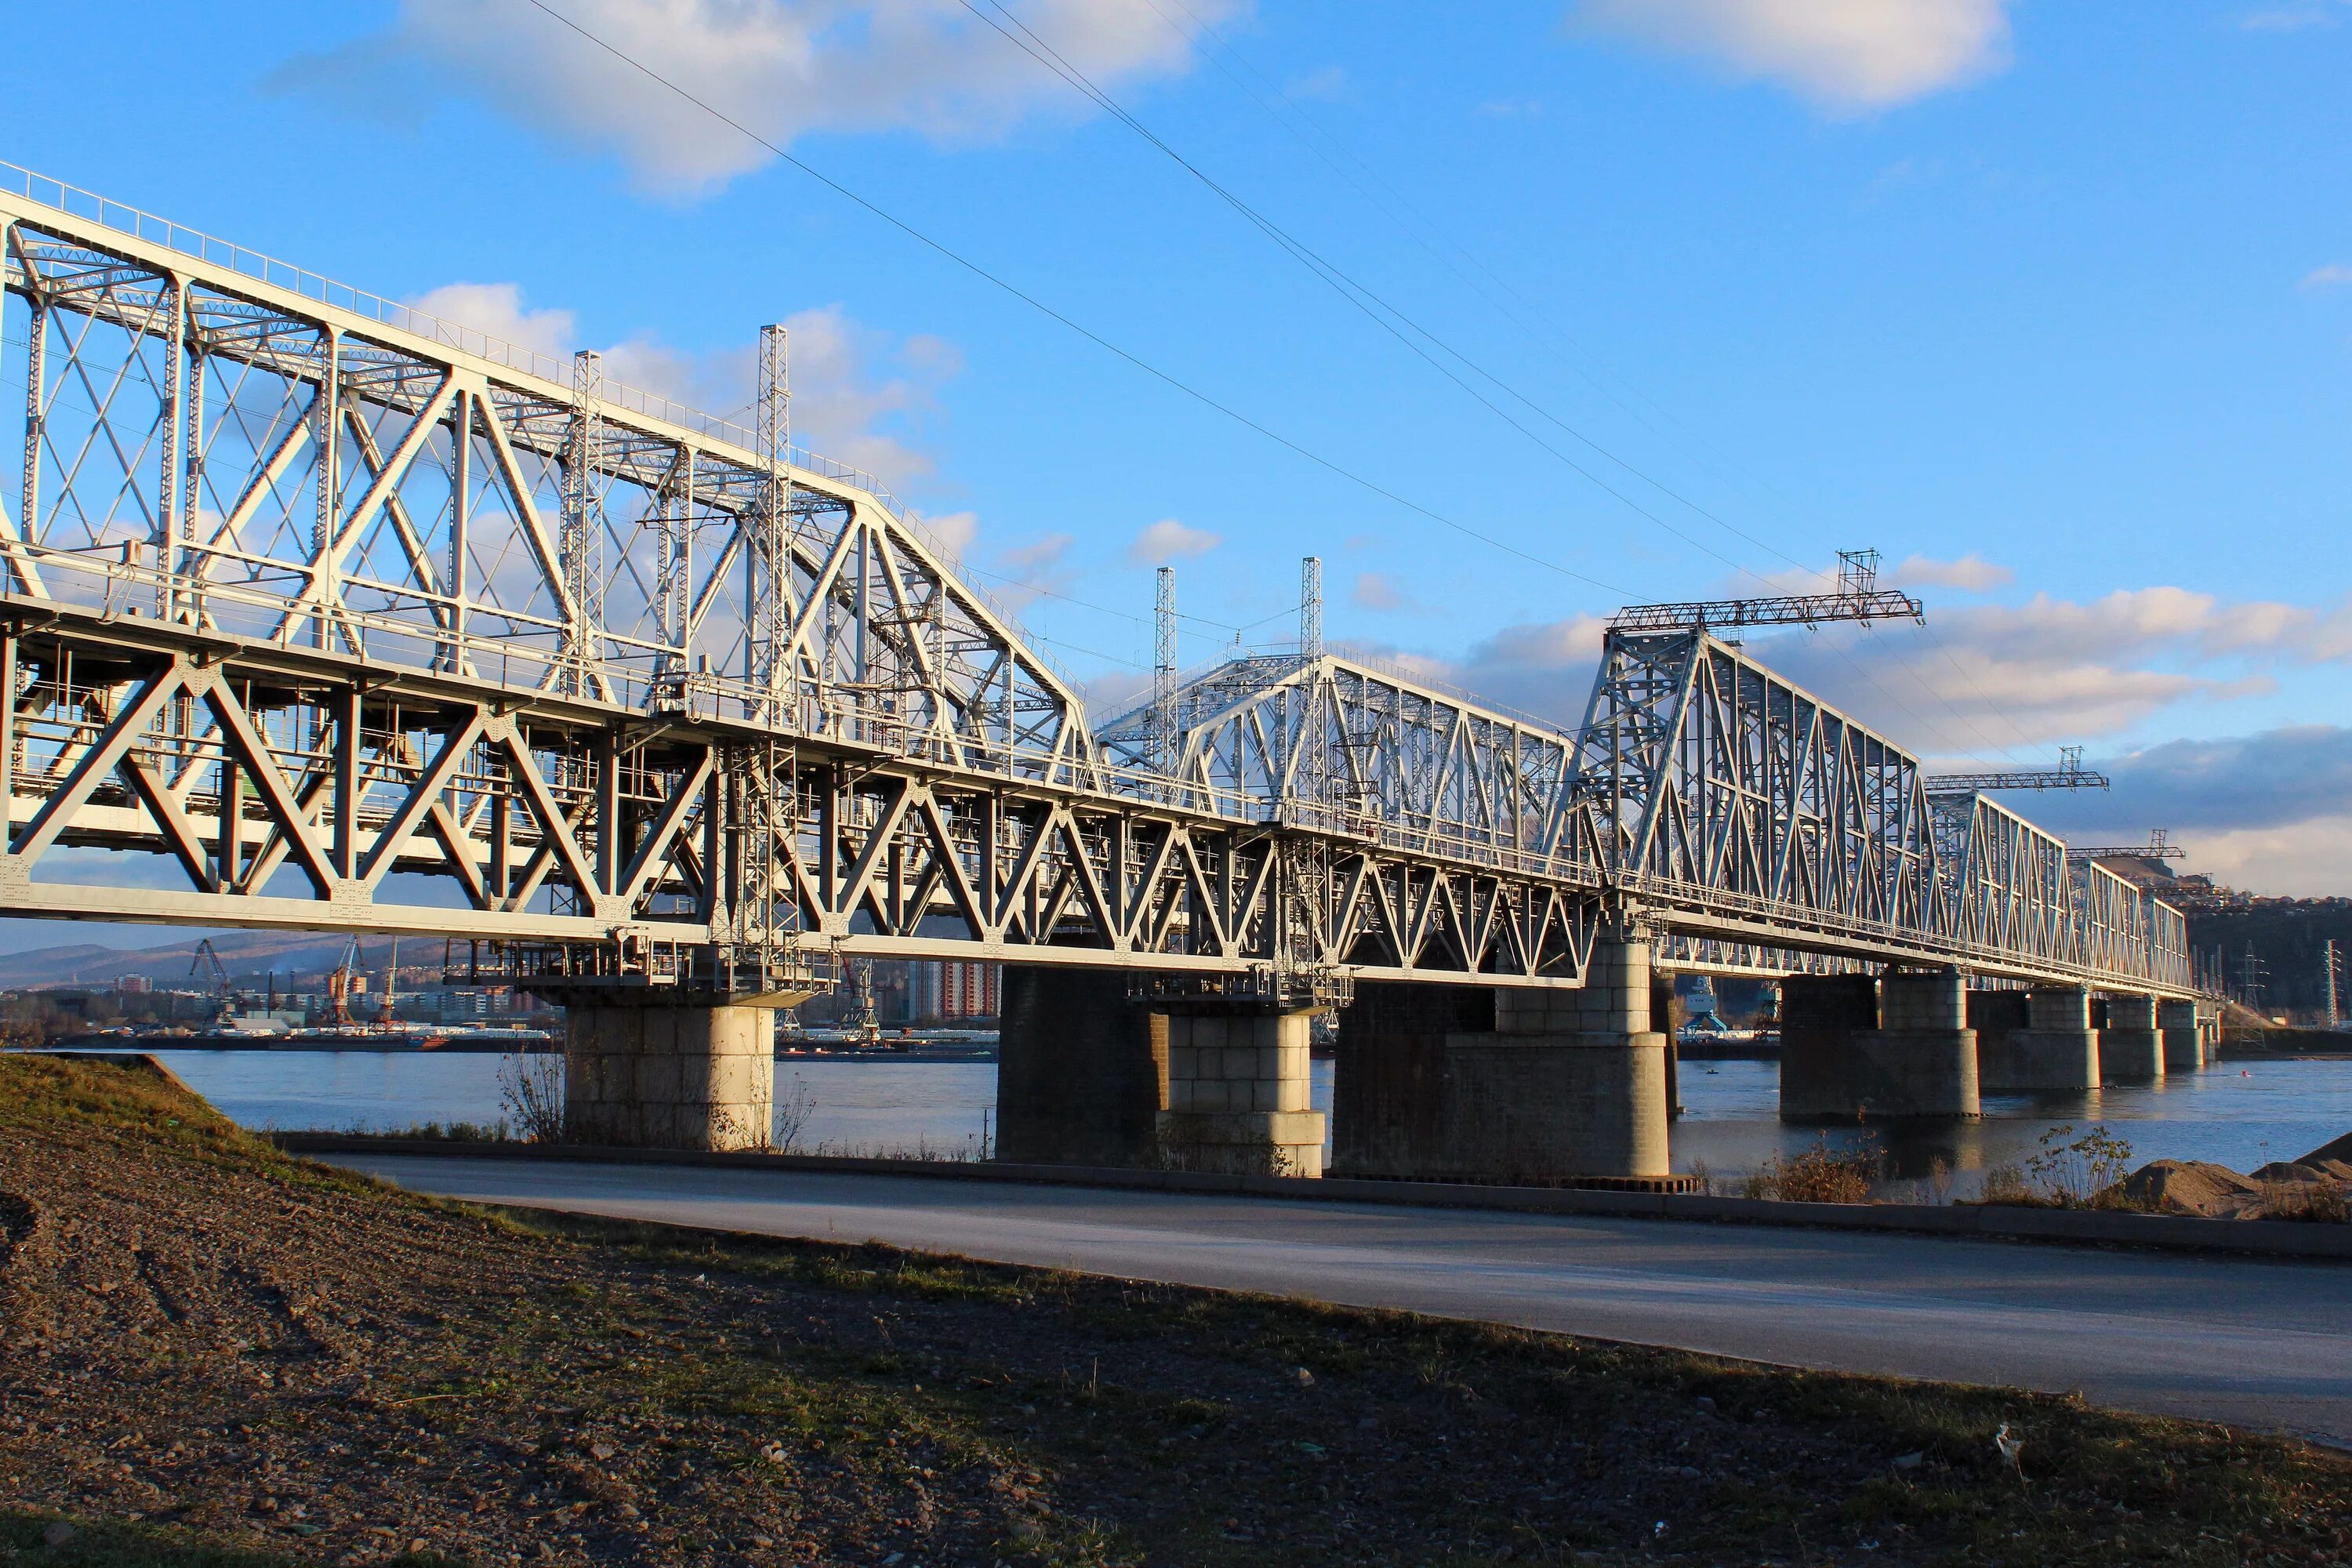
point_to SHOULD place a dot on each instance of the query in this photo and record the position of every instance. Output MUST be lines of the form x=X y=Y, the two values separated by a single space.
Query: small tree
x=2074 y=1171
x=793 y=1109
x=530 y=1095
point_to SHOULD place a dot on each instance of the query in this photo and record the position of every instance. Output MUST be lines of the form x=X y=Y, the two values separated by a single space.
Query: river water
x=2240 y=1114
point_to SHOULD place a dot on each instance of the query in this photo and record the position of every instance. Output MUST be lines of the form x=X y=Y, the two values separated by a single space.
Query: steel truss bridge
x=346 y=617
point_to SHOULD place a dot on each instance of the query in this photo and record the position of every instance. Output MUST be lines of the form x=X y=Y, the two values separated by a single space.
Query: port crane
x=208 y=954
x=338 y=985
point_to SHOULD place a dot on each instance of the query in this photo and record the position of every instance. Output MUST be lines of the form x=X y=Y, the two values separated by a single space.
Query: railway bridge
x=316 y=611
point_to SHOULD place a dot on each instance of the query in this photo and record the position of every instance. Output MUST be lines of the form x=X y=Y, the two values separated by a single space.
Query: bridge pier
x=1239 y=1096
x=2131 y=1049
x=1393 y=1077
x=2043 y=1042
x=2184 y=1041
x=644 y=1076
x=1081 y=1071
x=1853 y=1048
x=1568 y=1084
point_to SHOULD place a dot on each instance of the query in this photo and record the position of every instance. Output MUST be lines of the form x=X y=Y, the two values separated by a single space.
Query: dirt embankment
x=205 y=1345
x=2317 y=1187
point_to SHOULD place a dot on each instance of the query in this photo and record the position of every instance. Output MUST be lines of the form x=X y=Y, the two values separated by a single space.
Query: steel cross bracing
x=356 y=620
x=1756 y=818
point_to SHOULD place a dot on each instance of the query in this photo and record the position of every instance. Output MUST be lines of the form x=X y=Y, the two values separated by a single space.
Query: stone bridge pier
x=2040 y=1042
x=643 y=1073
x=2131 y=1048
x=1856 y=1048
x=2183 y=1040
x=1081 y=1073
x=1088 y=1075
x=1510 y=1084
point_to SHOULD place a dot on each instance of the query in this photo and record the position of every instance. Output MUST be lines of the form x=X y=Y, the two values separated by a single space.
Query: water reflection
x=2240 y=1114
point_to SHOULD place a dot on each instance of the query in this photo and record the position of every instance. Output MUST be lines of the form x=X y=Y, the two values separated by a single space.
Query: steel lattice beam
x=347 y=618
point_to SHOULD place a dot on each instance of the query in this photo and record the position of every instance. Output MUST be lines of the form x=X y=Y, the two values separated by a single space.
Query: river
x=2239 y=1113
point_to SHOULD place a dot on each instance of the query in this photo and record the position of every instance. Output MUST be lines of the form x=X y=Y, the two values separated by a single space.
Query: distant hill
x=245 y=955
x=2289 y=935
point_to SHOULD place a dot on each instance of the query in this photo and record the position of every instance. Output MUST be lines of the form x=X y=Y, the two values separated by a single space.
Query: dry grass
x=618 y=1392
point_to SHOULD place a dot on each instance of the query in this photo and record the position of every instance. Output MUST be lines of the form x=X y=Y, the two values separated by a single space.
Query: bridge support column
x=2052 y=1049
x=1852 y=1047
x=1081 y=1073
x=1569 y=1084
x=1997 y=1016
x=2184 y=1042
x=2131 y=1049
x=646 y=1076
x=1239 y=1097
x=1393 y=1077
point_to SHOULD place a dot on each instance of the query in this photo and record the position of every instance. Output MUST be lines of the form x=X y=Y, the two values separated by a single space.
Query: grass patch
x=270 y=1363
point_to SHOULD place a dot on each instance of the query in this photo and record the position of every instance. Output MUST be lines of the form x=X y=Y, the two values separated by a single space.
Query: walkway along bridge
x=343 y=616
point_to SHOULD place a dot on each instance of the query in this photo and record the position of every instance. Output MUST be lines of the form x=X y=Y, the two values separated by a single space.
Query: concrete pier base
x=1391 y=1077
x=2131 y=1050
x=1567 y=1085
x=1851 y=1049
x=2043 y=1045
x=1081 y=1073
x=1239 y=1097
x=669 y=1076
x=2184 y=1042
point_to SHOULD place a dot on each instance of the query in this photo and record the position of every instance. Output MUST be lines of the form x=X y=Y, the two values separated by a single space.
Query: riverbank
x=214 y=1345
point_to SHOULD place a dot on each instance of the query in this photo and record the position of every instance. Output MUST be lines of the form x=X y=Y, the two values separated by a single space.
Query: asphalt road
x=2260 y=1344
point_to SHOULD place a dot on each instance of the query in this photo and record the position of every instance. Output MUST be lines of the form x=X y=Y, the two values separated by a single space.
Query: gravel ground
x=212 y=1348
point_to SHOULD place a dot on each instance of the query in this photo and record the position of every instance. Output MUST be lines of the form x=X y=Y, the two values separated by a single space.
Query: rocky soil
x=2316 y=1187
x=213 y=1353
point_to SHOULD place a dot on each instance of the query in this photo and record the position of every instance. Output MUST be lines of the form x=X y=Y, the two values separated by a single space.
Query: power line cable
x=1412 y=232
x=1375 y=308
x=1225 y=48
x=1365 y=299
x=1038 y=305
x=1340 y=281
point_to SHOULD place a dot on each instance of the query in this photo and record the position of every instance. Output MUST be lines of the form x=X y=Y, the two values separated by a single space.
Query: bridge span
x=317 y=611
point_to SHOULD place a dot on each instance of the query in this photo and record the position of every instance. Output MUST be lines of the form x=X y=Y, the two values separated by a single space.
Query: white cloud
x=857 y=392
x=1331 y=82
x=1168 y=540
x=2309 y=859
x=1987 y=677
x=1543 y=668
x=2334 y=275
x=2269 y=812
x=1971 y=574
x=497 y=308
x=1845 y=54
x=2287 y=18
x=952 y=531
x=1380 y=593
x=1027 y=573
x=782 y=67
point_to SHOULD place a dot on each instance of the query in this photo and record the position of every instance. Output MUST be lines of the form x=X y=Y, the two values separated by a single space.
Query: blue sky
x=2050 y=302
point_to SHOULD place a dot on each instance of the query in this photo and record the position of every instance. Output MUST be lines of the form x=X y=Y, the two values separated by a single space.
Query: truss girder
x=347 y=626
x=1740 y=807
x=227 y=454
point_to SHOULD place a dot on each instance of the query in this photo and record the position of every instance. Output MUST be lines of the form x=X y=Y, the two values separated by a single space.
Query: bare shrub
x=2077 y=1173
x=793 y=1109
x=2006 y=1184
x=530 y=1095
x=2314 y=1203
x=1819 y=1176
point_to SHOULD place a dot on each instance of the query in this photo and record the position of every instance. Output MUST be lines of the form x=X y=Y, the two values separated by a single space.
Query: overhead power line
x=1004 y=285
x=1386 y=315
x=1371 y=303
